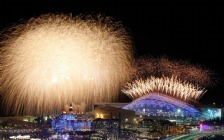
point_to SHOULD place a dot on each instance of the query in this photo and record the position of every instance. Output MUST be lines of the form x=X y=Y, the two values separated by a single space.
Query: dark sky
x=191 y=33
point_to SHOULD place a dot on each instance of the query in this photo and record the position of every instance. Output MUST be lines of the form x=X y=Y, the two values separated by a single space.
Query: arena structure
x=161 y=105
x=163 y=88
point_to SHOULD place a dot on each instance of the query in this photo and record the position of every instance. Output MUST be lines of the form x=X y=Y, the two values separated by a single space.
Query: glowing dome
x=157 y=104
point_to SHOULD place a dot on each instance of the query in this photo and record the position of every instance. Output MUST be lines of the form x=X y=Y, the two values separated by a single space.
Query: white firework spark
x=169 y=86
x=53 y=60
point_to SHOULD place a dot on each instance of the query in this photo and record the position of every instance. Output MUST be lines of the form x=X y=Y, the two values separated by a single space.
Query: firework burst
x=159 y=67
x=162 y=75
x=53 y=60
x=169 y=86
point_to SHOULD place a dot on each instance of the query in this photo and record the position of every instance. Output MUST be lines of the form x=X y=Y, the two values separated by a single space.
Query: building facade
x=69 y=121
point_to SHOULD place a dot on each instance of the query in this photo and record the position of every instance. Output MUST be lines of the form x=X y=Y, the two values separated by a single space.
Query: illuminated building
x=110 y=112
x=108 y=116
x=69 y=121
x=160 y=105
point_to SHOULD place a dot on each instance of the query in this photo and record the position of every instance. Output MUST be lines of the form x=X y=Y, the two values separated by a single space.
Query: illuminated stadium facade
x=161 y=105
x=165 y=98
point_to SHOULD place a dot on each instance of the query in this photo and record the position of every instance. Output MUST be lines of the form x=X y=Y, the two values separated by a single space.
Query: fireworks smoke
x=54 y=60
x=169 y=86
x=159 y=67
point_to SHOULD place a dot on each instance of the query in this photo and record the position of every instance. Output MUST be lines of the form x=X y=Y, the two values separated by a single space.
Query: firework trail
x=53 y=60
x=169 y=86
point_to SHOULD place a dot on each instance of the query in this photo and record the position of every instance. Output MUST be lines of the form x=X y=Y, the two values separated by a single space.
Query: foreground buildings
x=154 y=111
x=153 y=115
x=69 y=121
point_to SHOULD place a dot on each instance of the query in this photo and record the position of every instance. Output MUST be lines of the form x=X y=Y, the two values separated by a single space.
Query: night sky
x=195 y=34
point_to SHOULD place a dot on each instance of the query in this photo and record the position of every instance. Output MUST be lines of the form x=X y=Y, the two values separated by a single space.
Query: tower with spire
x=70 y=111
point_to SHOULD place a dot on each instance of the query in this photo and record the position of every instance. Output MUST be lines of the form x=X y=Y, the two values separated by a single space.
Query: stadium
x=163 y=106
x=169 y=90
x=160 y=105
